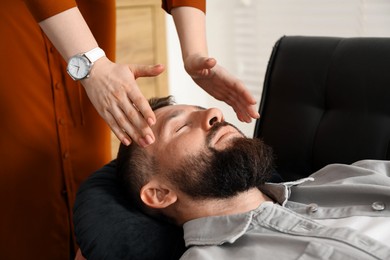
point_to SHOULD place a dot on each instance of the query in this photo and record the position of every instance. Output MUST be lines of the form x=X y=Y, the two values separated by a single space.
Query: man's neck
x=243 y=202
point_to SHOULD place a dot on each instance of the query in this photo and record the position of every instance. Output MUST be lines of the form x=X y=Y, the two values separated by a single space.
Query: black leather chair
x=325 y=100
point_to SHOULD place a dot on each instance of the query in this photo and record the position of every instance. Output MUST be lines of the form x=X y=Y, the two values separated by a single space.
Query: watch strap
x=95 y=54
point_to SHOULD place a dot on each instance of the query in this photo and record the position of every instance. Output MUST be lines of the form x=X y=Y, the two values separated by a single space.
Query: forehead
x=163 y=112
x=168 y=112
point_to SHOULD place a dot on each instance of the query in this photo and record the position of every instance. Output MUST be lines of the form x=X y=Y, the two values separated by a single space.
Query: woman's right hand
x=111 y=87
x=113 y=90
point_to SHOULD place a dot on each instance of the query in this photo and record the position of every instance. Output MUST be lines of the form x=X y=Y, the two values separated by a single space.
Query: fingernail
x=126 y=142
x=147 y=140
x=151 y=121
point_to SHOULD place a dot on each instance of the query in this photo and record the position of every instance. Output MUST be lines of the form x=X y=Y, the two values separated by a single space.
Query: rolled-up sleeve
x=43 y=9
x=167 y=5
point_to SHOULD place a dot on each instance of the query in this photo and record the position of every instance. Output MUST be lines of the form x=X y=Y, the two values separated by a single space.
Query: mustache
x=216 y=127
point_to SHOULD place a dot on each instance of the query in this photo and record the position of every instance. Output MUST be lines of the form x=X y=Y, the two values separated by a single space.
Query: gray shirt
x=288 y=229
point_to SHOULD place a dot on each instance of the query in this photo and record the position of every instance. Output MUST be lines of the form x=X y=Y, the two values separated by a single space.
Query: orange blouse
x=51 y=137
x=169 y=4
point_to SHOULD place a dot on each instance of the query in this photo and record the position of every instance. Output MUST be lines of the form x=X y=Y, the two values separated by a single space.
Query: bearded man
x=204 y=174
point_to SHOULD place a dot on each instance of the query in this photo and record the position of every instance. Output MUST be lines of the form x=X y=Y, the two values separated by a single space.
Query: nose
x=210 y=117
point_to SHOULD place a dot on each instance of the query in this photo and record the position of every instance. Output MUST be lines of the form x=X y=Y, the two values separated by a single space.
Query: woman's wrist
x=190 y=27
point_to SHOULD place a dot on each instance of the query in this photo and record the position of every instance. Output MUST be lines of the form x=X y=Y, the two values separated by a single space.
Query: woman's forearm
x=190 y=25
x=69 y=33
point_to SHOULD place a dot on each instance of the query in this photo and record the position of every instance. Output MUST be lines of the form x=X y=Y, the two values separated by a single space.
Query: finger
x=241 y=112
x=209 y=63
x=142 y=105
x=252 y=112
x=135 y=115
x=245 y=111
x=200 y=63
x=248 y=105
x=204 y=64
x=247 y=102
x=116 y=129
x=135 y=120
x=131 y=122
x=138 y=122
x=244 y=117
x=146 y=70
x=129 y=119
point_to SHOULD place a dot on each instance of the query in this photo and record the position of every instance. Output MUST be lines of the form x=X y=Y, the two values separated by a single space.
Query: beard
x=213 y=174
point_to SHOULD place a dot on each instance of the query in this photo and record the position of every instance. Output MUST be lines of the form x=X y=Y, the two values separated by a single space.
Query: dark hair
x=134 y=166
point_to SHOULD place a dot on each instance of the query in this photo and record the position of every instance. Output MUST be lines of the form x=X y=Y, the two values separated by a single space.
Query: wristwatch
x=80 y=65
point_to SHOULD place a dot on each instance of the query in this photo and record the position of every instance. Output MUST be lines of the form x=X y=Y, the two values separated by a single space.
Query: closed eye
x=181 y=127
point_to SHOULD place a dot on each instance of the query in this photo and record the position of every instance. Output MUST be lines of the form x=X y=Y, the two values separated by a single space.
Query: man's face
x=205 y=157
x=182 y=131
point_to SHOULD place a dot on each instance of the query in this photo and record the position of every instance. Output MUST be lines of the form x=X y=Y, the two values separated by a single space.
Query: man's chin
x=243 y=164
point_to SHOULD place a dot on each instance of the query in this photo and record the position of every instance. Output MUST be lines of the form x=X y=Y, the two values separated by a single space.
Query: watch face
x=79 y=67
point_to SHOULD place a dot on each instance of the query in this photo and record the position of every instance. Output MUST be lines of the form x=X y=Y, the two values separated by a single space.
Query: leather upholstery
x=326 y=100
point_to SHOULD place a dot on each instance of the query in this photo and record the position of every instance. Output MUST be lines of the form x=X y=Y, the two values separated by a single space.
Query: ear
x=156 y=195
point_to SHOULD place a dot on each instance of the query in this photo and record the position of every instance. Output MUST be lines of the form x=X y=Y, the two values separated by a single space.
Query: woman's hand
x=111 y=87
x=116 y=96
x=223 y=86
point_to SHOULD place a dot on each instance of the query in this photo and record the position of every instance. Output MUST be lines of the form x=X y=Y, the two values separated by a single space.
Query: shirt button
x=312 y=208
x=58 y=85
x=378 y=206
x=61 y=121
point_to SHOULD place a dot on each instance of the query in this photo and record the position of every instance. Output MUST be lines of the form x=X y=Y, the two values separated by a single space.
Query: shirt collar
x=217 y=230
x=280 y=192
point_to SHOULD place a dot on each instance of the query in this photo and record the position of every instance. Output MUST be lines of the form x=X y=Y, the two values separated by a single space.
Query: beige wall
x=141 y=39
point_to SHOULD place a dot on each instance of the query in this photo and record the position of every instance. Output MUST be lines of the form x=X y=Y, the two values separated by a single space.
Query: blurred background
x=241 y=35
